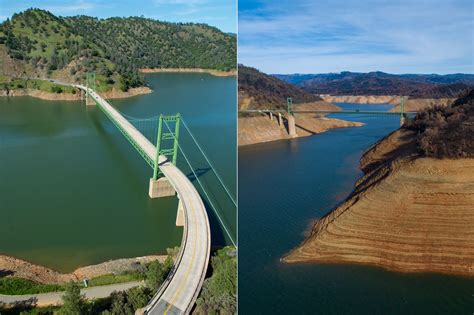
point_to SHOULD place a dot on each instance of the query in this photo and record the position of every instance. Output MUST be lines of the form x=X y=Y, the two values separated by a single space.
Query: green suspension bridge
x=289 y=113
x=156 y=139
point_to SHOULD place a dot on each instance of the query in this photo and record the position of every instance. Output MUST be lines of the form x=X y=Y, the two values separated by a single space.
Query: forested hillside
x=381 y=83
x=36 y=43
x=151 y=44
x=259 y=90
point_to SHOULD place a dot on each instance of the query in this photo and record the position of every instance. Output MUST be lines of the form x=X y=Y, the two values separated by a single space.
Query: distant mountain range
x=260 y=90
x=381 y=83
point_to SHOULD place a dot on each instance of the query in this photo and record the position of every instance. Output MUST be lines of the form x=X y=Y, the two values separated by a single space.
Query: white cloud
x=363 y=35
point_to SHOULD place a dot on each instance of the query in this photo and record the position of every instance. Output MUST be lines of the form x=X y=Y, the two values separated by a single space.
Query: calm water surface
x=74 y=192
x=283 y=187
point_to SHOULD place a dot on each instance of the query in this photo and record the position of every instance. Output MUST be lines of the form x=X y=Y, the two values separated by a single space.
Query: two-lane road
x=179 y=293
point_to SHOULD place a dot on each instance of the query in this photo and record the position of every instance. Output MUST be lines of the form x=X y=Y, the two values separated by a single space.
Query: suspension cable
x=144 y=120
x=209 y=162
x=202 y=187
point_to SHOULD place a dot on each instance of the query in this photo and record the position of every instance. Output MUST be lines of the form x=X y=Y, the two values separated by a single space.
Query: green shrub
x=56 y=89
x=73 y=301
x=219 y=292
x=14 y=286
x=157 y=272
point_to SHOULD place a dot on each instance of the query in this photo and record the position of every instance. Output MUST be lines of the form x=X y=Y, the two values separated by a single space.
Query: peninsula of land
x=260 y=128
x=413 y=209
x=258 y=90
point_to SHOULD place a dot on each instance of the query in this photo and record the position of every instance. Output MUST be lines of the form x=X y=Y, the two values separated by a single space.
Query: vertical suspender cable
x=202 y=187
x=209 y=162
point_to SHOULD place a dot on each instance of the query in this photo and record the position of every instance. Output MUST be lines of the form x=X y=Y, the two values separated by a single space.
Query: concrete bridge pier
x=280 y=120
x=160 y=188
x=291 y=126
x=402 y=120
x=89 y=100
x=180 y=213
x=271 y=116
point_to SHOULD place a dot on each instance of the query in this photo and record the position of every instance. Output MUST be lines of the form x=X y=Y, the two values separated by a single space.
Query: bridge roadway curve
x=180 y=290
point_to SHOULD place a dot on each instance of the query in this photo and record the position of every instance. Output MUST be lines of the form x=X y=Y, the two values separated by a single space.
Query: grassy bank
x=36 y=84
x=73 y=302
x=19 y=286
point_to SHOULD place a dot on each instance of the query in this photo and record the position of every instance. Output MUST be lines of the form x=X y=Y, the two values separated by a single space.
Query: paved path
x=54 y=298
x=180 y=290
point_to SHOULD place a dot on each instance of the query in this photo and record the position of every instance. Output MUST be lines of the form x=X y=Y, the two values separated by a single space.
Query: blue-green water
x=74 y=192
x=283 y=187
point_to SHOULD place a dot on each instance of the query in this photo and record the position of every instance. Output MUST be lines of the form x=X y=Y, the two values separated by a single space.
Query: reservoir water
x=283 y=187
x=74 y=192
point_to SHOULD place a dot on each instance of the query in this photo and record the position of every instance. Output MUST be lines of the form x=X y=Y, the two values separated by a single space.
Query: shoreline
x=217 y=73
x=261 y=129
x=50 y=96
x=323 y=125
x=410 y=104
x=15 y=267
x=373 y=226
x=363 y=99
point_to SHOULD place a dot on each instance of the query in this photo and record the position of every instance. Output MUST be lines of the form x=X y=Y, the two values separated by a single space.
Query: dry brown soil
x=260 y=128
x=407 y=214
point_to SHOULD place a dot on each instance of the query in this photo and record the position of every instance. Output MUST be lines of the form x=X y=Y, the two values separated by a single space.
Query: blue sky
x=219 y=13
x=400 y=36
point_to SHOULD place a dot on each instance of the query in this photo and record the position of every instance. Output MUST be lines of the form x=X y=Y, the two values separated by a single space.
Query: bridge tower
x=166 y=145
x=291 y=118
x=402 y=111
x=90 y=84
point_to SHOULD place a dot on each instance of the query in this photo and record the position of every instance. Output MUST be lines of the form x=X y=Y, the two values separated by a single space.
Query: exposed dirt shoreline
x=410 y=105
x=407 y=213
x=14 y=267
x=259 y=129
x=49 y=96
x=362 y=99
x=216 y=73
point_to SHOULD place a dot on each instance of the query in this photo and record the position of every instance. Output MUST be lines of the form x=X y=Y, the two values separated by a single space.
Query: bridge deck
x=180 y=291
x=360 y=112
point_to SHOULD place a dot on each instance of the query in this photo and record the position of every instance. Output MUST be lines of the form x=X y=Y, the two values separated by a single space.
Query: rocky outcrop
x=259 y=128
x=407 y=213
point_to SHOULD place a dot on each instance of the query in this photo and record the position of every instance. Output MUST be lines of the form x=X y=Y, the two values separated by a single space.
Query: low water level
x=283 y=187
x=74 y=192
